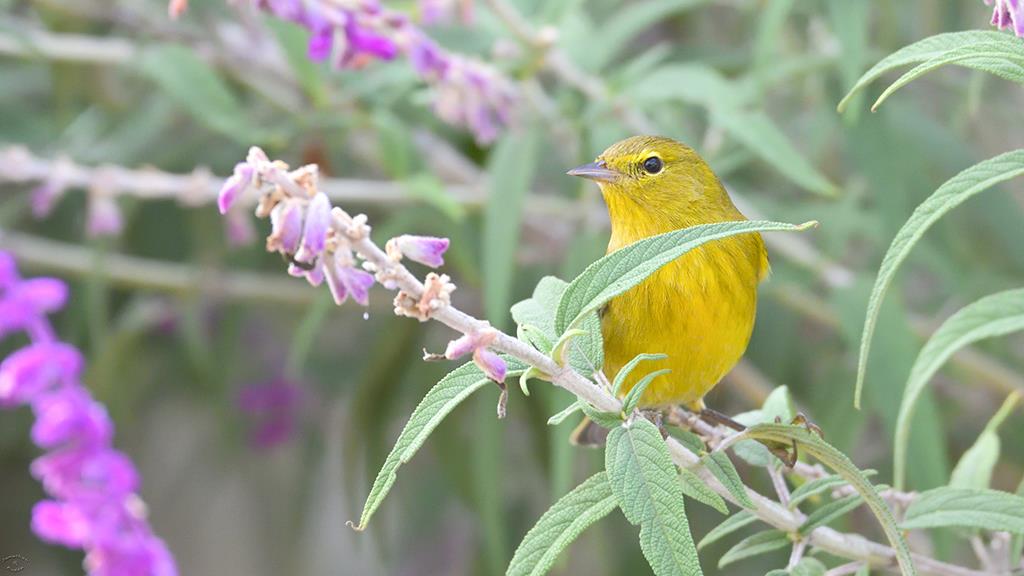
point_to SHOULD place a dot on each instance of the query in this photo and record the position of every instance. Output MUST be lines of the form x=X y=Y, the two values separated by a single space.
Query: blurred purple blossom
x=352 y=33
x=93 y=487
x=443 y=11
x=273 y=407
x=104 y=216
x=1008 y=13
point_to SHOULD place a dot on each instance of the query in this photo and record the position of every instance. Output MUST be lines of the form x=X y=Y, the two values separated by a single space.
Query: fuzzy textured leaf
x=951 y=194
x=438 y=403
x=561 y=524
x=623 y=269
x=644 y=480
x=813 y=445
x=586 y=351
x=991 y=316
x=984 y=509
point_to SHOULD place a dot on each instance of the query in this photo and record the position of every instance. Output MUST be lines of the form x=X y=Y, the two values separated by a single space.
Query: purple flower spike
x=93 y=487
x=426 y=250
x=234 y=186
x=1008 y=13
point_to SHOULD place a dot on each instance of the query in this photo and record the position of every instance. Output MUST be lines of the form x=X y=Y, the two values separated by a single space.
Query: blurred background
x=259 y=412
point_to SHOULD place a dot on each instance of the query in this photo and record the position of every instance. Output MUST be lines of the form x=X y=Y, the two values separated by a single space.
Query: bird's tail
x=588 y=434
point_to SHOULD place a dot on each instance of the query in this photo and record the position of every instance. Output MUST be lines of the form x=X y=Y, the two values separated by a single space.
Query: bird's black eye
x=653 y=165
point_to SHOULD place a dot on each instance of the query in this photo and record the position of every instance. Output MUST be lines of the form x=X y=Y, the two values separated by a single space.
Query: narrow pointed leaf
x=731 y=524
x=921 y=51
x=438 y=403
x=719 y=464
x=623 y=269
x=829 y=512
x=633 y=398
x=561 y=524
x=811 y=444
x=696 y=488
x=974 y=470
x=991 y=316
x=954 y=192
x=755 y=545
x=620 y=377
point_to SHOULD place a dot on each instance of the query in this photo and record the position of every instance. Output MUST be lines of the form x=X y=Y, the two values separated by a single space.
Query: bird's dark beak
x=598 y=171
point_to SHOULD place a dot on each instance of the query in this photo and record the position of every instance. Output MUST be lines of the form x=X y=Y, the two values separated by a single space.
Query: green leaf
x=199 y=89
x=586 y=352
x=606 y=419
x=627 y=22
x=438 y=403
x=954 y=192
x=696 y=488
x=813 y=445
x=691 y=441
x=561 y=524
x=509 y=172
x=722 y=468
x=568 y=411
x=620 y=377
x=644 y=480
x=921 y=51
x=994 y=315
x=731 y=524
x=963 y=507
x=974 y=470
x=755 y=545
x=814 y=487
x=623 y=269
x=633 y=398
x=828 y=512
x=1003 y=60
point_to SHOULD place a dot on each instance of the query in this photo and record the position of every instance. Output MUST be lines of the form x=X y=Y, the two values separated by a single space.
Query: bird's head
x=656 y=175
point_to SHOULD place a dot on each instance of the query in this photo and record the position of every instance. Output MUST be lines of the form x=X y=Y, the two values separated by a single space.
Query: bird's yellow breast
x=699 y=310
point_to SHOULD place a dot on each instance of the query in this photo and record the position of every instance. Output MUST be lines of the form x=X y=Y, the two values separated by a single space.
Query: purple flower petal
x=321 y=42
x=70 y=416
x=492 y=364
x=35 y=368
x=357 y=283
x=61 y=523
x=286 y=227
x=85 y=473
x=423 y=249
x=42 y=295
x=338 y=290
x=460 y=347
x=235 y=185
x=45 y=197
x=318 y=221
x=8 y=271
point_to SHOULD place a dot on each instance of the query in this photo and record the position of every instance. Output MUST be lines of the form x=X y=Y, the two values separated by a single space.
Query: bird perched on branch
x=698 y=309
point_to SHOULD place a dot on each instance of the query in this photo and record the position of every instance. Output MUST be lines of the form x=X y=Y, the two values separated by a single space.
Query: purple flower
x=70 y=416
x=286 y=227
x=238 y=228
x=345 y=280
x=314 y=235
x=1008 y=13
x=45 y=197
x=426 y=250
x=35 y=369
x=8 y=271
x=63 y=523
x=477 y=342
x=273 y=406
x=235 y=185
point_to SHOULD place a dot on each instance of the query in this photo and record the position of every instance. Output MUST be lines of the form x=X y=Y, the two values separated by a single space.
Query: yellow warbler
x=698 y=309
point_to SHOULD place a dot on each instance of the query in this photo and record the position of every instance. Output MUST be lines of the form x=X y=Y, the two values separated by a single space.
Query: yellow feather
x=698 y=309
